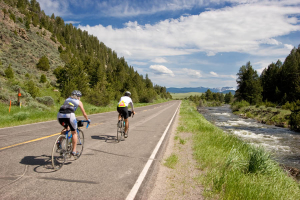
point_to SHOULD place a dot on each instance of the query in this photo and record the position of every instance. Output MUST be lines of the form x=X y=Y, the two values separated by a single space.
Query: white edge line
x=142 y=175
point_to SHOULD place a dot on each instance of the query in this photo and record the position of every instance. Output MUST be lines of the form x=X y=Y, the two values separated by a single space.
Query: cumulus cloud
x=242 y=28
x=159 y=60
x=192 y=72
x=213 y=74
x=162 y=70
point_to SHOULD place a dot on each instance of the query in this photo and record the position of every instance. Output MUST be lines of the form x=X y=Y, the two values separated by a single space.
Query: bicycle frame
x=61 y=154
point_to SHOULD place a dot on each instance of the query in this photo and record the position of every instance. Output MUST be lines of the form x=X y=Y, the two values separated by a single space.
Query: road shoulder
x=177 y=183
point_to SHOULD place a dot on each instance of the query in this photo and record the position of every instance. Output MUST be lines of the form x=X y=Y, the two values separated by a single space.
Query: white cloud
x=159 y=60
x=214 y=74
x=243 y=28
x=289 y=46
x=138 y=63
x=192 y=73
x=59 y=8
x=162 y=70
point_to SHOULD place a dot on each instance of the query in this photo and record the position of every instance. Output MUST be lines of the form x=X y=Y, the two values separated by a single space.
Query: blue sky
x=181 y=43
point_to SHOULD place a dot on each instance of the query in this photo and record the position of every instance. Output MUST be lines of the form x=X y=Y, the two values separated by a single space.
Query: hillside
x=22 y=49
x=76 y=60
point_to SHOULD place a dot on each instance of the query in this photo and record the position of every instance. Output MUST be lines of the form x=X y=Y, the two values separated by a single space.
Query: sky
x=188 y=43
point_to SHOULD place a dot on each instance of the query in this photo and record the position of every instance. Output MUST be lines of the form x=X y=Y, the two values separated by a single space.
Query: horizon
x=183 y=44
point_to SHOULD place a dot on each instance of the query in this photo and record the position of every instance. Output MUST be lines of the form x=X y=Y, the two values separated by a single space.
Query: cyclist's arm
x=132 y=110
x=82 y=110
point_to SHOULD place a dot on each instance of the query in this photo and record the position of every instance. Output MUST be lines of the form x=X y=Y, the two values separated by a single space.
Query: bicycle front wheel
x=120 y=132
x=80 y=142
x=59 y=152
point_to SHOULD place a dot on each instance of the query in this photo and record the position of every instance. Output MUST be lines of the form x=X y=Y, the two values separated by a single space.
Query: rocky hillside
x=21 y=48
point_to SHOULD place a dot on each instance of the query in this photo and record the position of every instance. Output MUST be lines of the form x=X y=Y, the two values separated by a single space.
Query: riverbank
x=266 y=115
x=226 y=167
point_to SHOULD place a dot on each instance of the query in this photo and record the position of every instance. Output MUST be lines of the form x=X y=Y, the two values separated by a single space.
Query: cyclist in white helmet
x=123 y=104
x=66 y=116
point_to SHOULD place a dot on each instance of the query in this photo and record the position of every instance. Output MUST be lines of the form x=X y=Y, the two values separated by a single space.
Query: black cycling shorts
x=123 y=111
x=65 y=122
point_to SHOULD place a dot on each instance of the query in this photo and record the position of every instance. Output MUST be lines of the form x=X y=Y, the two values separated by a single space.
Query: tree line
x=278 y=85
x=211 y=98
x=90 y=66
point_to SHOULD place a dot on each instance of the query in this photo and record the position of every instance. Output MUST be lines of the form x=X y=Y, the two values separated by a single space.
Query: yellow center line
x=34 y=140
x=29 y=141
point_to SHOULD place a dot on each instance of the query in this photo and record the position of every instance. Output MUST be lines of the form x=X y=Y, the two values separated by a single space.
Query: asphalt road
x=106 y=170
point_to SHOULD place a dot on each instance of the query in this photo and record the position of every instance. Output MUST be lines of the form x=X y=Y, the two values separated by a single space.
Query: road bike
x=62 y=149
x=121 y=127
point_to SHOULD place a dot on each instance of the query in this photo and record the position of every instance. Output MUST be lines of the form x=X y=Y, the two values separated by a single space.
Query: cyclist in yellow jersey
x=123 y=104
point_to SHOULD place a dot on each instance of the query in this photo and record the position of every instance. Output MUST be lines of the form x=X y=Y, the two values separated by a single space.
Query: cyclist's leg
x=119 y=112
x=73 y=127
x=126 y=125
x=74 y=140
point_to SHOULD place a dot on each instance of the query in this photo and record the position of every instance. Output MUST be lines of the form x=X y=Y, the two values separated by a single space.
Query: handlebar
x=88 y=122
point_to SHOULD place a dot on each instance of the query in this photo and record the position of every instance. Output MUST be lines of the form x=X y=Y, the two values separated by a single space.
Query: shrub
x=270 y=104
x=2 y=73
x=295 y=117
x=43 y=78
x=98 y=96
x=47 y=100
x=43 y=64
x=27 y=25
x=53 y=38
x=12 y=16
x=288 y=106
x=9 y=73
x=239 y=104
x=37 y=105
x=32 y=89
x=21 y=116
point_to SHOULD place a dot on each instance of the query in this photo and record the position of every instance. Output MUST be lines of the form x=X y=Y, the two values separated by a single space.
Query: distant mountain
x=201 y=89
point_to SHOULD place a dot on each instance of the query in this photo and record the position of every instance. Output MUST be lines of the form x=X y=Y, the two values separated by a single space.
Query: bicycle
x=62 y=149
x=121 y=127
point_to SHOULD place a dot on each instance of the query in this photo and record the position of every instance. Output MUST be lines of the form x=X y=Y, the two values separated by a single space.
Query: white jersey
x=125 y=101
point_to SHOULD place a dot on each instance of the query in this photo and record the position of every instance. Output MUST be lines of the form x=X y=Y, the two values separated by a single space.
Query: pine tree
x=249 y=86
x=43 y=64
x=9 y=73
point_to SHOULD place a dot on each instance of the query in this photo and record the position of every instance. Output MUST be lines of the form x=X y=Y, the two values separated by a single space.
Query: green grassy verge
x=34 y=113
x=184 y=95
x=233 y=169
x=266 y=115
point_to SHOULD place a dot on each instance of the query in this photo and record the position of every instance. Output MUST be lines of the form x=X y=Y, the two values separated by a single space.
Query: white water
x=283 y=143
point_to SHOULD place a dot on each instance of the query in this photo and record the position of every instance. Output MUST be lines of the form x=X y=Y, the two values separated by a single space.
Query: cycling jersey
x=125 y=101
x=70 y=105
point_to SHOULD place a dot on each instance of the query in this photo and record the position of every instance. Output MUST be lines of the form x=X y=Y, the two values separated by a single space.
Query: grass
x=30 y=114
x=233 y=169
x=171 y=161
x=267 y=115
x=184 y=95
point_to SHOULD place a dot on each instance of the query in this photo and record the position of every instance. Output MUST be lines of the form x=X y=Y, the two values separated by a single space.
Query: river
x=282 y=143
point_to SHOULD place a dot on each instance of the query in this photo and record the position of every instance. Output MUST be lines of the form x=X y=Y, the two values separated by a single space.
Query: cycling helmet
x=127 y=93
x=76 y=93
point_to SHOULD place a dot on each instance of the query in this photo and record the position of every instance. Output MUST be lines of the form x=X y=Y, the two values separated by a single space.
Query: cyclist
x=66 y=116
x=123 y=109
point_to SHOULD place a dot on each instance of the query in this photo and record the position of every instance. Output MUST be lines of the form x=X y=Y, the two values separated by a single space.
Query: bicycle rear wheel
x=120 y=132
x=80 y=142
x=59 y=152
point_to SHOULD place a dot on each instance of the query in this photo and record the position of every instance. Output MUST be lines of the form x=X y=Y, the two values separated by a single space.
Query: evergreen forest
x=277 y=86
x=89 y=65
